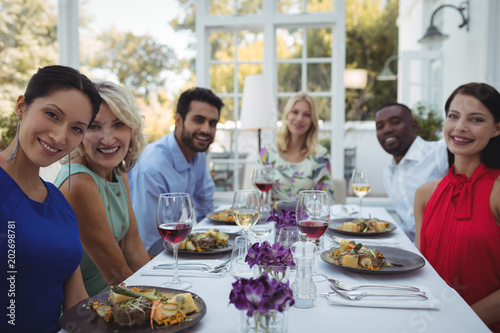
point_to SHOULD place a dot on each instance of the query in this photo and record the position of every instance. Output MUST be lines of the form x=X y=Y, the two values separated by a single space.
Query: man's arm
x=204 y=195
x=146 y=184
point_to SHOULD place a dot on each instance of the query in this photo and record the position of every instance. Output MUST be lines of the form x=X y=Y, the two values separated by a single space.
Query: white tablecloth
x=454 y=314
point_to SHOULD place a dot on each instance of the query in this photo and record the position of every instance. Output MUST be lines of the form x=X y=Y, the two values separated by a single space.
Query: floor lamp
x=258 y=109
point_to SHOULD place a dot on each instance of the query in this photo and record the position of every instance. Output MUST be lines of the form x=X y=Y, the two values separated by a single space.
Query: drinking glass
x=261 y=230
x=262 y=179
x=238 y=268
x=313 y=216
x=288 y=235
x=246 y=209
x=174 y=220
x=360 y=185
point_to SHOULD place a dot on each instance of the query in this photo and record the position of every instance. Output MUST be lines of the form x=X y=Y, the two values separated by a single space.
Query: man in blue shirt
x=177 y=163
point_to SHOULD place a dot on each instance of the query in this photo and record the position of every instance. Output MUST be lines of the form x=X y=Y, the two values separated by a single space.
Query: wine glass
x=246 y=209
x=262 y=179
x=313 y=216
x=174 y=220
x=360 y=185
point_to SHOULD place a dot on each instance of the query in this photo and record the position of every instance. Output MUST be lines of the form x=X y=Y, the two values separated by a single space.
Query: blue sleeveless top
x=39 y=249
x=114 y=196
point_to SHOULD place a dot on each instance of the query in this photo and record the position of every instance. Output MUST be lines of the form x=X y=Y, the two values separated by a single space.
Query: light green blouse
x=114 y=196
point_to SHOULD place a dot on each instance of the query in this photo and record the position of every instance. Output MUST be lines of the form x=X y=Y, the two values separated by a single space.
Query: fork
x=358 y=296
x=196 y=266
x=346 y=287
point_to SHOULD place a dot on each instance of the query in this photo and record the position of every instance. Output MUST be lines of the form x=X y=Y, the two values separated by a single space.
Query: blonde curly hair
x=123 y=105
x=283 y=134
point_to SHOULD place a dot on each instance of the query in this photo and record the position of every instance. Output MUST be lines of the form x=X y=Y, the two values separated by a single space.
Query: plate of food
x=210 y=241
x=361 y=226
x=135 y=309
x=223 y=216
x=357 y=258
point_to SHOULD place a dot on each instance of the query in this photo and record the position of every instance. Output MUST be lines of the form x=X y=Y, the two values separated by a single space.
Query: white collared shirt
x=423 y=162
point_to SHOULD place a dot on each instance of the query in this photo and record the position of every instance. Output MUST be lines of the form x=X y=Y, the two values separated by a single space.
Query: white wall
x=467 y=56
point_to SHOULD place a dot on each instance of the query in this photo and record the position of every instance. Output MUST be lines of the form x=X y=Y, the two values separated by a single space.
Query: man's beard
x=187 y=139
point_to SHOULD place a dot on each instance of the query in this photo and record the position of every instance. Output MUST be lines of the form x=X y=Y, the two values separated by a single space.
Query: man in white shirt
x=415 y=161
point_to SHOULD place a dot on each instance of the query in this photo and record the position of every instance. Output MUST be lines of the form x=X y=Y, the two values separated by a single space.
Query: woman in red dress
x=457 y=218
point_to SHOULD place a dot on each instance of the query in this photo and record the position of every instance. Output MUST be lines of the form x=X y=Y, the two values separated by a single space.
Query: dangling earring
x=12 y=156
x=69 y=175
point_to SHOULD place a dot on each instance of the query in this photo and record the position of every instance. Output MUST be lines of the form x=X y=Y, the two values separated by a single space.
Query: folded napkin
x=344 y=210
x=388 y=302
x=148 y=270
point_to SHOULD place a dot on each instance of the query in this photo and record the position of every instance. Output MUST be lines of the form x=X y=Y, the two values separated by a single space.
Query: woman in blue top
x=100 y=194
x=41 y=252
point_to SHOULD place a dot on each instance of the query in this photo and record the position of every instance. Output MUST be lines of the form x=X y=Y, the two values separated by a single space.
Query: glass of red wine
x=174 y=220
x=262 y=179
x=313 y=216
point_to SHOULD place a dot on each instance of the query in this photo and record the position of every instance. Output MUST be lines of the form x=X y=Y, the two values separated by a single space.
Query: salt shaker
x=304 y=289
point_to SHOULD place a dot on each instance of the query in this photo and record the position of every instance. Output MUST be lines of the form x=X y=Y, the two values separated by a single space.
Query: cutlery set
x=350 y=293
x=196 y=266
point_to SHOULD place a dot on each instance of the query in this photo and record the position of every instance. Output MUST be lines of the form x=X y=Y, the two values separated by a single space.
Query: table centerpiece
x=263 y=303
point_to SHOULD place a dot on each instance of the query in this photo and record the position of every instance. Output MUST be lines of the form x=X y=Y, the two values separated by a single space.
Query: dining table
x=448 y=313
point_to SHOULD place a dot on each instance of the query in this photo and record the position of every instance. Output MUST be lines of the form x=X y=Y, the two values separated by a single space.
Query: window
x=237 y=38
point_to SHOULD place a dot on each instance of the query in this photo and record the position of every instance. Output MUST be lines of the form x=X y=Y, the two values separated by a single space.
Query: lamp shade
x=355 y=78
x=257 y=107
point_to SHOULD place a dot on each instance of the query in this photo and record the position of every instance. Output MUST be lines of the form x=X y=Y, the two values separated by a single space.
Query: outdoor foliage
x=27 y=41
x=430 y=121
x=138 y=62
x=372 y=37
x=7 y=129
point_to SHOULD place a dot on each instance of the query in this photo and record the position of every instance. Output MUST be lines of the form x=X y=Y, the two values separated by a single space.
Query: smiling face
x=106 y=142
x=53 y=126
x=299 y=118
x=196 y=132
x=469 y=126
x=396 y=130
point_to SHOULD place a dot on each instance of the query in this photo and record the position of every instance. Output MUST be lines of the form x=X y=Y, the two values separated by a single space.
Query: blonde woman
x=100 y=194
x=299 y=161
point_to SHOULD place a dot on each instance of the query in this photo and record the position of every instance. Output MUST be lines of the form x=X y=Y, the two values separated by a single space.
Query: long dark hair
x=490 y=98
x=54 y=78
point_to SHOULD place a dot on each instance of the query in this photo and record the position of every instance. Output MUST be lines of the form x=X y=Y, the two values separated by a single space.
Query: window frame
x=268 y=22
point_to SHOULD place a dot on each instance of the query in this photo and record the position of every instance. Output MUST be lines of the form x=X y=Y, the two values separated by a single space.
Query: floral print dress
x=313 y=173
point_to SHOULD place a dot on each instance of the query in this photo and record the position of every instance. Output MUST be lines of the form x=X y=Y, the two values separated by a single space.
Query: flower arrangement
x=285 y=218
x=273 y=259
x=262 y=298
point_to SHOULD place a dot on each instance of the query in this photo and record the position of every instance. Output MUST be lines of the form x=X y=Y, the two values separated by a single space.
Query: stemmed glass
x=360 y=185
x=246 y=209
x=174 y=220
x=313 y=216
x=262 y=179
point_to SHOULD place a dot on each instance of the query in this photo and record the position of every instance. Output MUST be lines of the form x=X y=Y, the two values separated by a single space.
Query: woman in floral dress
x=299 y=161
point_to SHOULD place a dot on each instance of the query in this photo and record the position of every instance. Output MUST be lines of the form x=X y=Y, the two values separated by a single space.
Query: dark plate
x=212 y=216
x=336 y=223
x=80 y=319
x=409 y=261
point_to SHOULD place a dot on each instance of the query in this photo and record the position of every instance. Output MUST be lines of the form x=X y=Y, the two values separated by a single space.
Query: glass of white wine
x=246 y=209
x=360 y=185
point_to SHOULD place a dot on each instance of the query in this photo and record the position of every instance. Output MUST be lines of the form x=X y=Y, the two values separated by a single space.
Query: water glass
x=288 y=235
x=238 y=267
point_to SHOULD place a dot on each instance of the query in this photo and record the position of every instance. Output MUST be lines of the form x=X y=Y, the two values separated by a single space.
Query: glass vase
x=272 y=321
x=280 y=273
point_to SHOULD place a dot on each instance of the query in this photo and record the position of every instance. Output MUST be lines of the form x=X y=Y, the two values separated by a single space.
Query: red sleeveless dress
x=460 y=237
